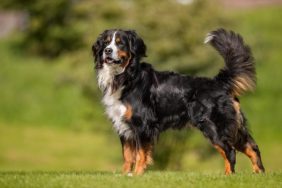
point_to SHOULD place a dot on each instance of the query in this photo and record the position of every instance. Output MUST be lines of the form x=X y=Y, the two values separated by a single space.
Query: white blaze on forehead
x=113 y=46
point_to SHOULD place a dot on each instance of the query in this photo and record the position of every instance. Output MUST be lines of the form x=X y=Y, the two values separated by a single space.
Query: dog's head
x=118 y=49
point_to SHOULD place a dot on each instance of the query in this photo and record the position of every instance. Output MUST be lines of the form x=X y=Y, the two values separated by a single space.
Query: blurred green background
x=51 y=117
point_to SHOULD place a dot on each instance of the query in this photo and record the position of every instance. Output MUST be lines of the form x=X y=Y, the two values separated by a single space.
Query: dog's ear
x=97 y=49
x=97 y=46
x=137 y=45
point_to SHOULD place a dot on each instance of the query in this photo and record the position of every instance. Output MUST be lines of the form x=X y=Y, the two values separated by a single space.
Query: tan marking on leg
x=140 y=164
x=226 y=162
x=129 y=156
x=253 y=156
x=149 y=153
x=143 y=158
x=236 y=106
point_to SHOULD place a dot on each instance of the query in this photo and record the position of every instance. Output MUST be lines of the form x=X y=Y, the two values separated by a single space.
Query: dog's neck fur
x=105 y=77
x=115 y=109
x=109 y=79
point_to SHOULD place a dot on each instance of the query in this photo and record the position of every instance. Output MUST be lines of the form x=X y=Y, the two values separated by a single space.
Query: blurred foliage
x=53 y=26
x=172 y=31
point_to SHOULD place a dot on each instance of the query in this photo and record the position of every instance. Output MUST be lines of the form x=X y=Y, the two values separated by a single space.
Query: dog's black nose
x=108 y=51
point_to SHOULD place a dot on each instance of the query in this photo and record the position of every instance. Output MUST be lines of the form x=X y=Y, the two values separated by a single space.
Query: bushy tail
x=239 y=74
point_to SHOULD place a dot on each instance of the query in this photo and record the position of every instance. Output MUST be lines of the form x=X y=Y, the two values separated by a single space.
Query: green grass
x=151 y=179
x=45 y=148
x=38 y=91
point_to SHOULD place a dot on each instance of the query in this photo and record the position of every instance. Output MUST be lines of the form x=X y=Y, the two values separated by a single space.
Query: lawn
x=151 y=179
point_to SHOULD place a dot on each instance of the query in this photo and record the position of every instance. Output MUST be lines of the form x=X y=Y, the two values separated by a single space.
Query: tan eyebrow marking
x=108 y=39
x=118 y=40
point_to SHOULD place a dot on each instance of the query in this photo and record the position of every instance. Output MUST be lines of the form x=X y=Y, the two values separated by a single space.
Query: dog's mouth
x=110 y=60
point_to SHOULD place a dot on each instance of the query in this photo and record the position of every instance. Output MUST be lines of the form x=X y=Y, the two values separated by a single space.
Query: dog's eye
x=120 y=44
x=106 y=42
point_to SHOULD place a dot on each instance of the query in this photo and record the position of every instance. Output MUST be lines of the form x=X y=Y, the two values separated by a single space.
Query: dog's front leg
x=129 y=155
x=143 y=158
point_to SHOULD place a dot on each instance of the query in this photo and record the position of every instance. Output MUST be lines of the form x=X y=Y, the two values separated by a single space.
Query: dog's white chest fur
x=114 y=107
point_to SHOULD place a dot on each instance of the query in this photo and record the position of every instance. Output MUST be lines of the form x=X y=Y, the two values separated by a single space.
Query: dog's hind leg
x=248 y=146
x=228 y=153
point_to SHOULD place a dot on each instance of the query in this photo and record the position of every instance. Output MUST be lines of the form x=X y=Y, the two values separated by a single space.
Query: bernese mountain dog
x=143 y=102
